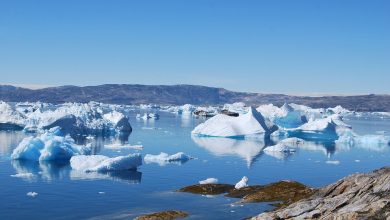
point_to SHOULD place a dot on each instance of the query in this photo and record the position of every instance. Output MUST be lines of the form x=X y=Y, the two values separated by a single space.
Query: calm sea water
x=66 y=194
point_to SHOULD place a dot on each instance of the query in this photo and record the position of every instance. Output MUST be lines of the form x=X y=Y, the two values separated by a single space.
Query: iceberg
x=284 y=148
x=249 y=124
x=120 y=122
x=78 y=119
x=163 y=158
x=10 y=119
x=329 y=128
x=209 y=181
x=100 y=163
x=48 y=146
x=285 y=116
x=242 y=183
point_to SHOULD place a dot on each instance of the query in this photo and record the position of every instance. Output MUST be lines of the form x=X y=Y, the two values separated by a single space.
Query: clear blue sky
x=300 y=46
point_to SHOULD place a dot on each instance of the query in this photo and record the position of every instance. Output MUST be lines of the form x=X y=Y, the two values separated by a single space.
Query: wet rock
x=359 y=196
x=285 y=192
x=165 y=215
x=207 y=189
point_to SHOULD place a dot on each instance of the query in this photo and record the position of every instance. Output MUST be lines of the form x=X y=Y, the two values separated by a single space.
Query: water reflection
x=129 y=176
x=56 y=170
x=248 y=150
x=47 y=170
x=9 y=140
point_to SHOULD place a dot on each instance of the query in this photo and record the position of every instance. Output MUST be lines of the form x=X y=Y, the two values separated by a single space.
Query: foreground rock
x=207 y=189
x=165 y=215
x=283 y=192
x=359 y=196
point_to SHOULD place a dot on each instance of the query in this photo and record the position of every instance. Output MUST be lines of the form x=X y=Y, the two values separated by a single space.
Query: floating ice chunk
x=376 y=142
x=100 y=163
x=48 y=146
x=329 y=128
x=242 y=183
x=251 y=123
x=119 y=121
x=164 y=158
x=116 y=146
x=209 y=181
x=32 y=194
x=338 y=110
x=333 y=162
x=24 y=175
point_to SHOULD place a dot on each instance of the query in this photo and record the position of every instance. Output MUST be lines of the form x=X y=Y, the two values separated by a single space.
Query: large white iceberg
x=78 y=119
x=48 y=146
x=164 y=158
x=249 y=124
x=100 y=163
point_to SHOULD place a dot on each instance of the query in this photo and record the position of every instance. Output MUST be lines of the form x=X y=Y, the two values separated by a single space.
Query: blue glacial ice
x=48 y=146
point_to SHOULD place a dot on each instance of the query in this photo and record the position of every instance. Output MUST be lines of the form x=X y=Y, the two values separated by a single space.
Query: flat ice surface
x=100 y=163
x=163 y=158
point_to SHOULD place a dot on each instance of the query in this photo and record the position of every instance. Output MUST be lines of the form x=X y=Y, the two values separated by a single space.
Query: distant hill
x=182 y=94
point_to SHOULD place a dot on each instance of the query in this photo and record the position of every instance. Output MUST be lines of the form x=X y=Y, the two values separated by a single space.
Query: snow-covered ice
x=209 y=181
x=32 y=194
x=251 y=123
x=242 y=183
x=329 y=128
x=164 y=158
x=100 y=163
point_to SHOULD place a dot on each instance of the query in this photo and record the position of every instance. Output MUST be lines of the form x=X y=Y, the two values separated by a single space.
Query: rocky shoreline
x=358 y=196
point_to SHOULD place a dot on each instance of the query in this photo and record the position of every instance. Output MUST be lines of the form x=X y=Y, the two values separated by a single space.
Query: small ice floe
x=357 y=161
x=101 y=193
x=333 y=162
x=116 y=146
x=209 y=181
x=100 y=163
x=32 y=194
x=163 y=158
x=23 y=175
x=242 y=183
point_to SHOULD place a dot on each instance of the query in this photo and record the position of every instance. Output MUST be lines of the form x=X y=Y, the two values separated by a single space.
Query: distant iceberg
x=100 y=163
x=48 y=146
x=163 y=158
x=249 y=124
x=10 y=119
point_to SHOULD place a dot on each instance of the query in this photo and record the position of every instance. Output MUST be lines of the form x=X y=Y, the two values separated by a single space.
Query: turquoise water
x=66 y=194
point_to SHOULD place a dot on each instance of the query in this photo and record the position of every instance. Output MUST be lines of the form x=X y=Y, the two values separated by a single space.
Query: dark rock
x=359 y=196
x=165 y=215
x=207 y=189
x=229 y=113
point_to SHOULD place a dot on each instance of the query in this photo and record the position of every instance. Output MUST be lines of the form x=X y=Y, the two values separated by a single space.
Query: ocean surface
x=66 y=194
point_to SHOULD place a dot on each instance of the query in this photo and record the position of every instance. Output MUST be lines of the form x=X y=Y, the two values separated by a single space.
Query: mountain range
x=183 y=94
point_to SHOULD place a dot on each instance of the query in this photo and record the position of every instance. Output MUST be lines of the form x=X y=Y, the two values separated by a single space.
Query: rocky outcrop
x=165 y=215
x=283 y=192
x=359 y=196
